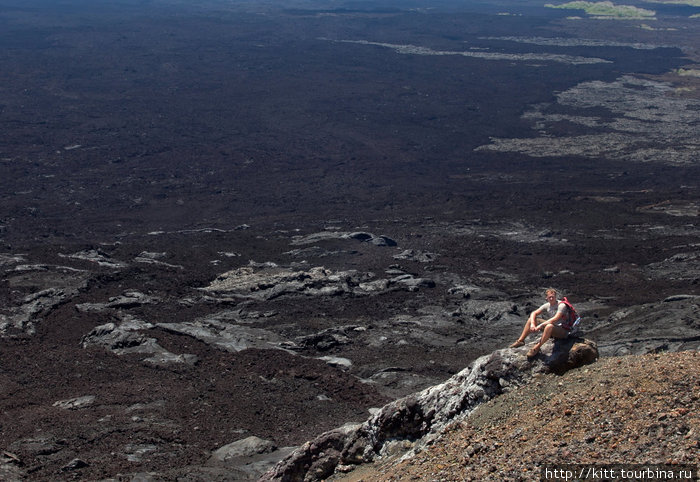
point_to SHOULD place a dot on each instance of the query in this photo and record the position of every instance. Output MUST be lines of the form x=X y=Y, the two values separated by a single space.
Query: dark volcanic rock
x=416 y=255
x=419 y=418
x=150 y=151
x=49 y=285
x=326 y=339
x=115 y=338
x=570 y=353
x=74 y=464
x=244 y=459
x=267 y=281
x=643 y=402
x=377 y=240
x=127 y=337
x=669 y=325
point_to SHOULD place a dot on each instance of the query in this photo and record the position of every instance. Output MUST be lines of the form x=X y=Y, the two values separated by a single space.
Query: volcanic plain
x=223 y=221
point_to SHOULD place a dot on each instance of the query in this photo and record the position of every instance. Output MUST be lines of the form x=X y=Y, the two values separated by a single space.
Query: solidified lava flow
x=224 y=221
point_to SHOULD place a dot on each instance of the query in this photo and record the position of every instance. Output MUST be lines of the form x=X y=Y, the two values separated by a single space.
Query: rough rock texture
x=419 y=418
x=637 y=409
x=50 y=286
x=127 y=337
x=643 y=111
x=669 y=325
x=376 y=240
x=243 y=459
x=267 y=281
x=149 y=149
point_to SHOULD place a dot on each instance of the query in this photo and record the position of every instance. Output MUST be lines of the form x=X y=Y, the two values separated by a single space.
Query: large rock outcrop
x=409 y=423
x=267 y=281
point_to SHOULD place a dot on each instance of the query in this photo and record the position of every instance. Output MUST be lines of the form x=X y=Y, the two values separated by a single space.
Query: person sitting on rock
x=554 y=314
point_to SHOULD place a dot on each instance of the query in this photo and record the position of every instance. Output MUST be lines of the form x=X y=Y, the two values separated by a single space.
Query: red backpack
x=572 y=319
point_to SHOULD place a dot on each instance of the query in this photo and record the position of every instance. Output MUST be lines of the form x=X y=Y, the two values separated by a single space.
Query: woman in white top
x=547 y=319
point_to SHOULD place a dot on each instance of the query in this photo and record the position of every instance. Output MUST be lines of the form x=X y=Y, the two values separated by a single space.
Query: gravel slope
x=631 y=410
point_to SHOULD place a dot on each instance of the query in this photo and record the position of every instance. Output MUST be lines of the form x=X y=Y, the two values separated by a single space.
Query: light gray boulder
x=23 y=318
x=377 y=240
x=244 y=459
x=75 y=403
x=127 y=337
x=243 y=448
x=97 y=256
x=416 y=255
x=267 y=281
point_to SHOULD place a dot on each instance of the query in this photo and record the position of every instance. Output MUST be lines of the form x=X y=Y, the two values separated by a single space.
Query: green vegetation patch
x=607 y=10
x=688 y=72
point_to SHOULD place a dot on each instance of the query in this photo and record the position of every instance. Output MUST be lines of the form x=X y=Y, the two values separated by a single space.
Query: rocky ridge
x=409 y=424
x=638 y=409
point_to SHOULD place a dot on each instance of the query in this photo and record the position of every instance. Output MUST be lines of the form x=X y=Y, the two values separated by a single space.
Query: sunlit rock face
x=408 y=424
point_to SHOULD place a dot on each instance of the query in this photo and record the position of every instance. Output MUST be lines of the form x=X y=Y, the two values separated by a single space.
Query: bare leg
x=521 y=339
x=526 y=331
x=550 y=331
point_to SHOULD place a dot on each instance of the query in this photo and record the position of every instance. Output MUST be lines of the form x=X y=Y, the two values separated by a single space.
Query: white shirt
x=550 y=310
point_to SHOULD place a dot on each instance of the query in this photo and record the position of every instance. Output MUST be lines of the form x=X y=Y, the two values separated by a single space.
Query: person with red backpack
x=555 y=319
